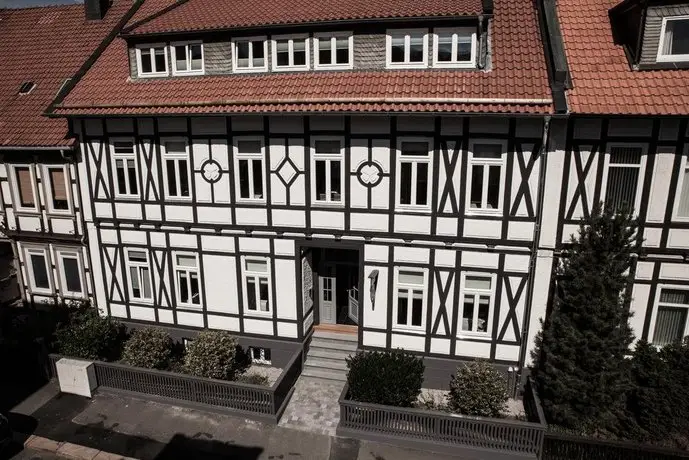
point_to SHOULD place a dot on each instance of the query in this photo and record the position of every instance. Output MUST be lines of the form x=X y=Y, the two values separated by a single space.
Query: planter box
x=76 y=376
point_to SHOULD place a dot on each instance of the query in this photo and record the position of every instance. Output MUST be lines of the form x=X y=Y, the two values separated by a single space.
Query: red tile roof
x=517 y=83
x=213 y=14
x=45 y=45
x=602 y=79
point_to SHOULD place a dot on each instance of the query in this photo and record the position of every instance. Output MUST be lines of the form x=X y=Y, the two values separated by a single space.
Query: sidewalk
x=131 y=427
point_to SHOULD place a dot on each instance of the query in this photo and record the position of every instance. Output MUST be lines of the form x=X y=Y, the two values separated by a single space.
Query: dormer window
x=291 y=53
x=454 y=47
x=151 y=60
x=334 y=51
x=250 y=54
x=187 y=58
x=407 y=48
x=674 y=39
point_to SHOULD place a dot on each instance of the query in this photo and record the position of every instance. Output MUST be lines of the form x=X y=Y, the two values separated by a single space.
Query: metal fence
x=495 y=438
x=255 y=401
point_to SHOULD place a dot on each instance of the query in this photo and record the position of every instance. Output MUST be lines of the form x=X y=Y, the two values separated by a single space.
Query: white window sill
x=250 y=69
x=128 y=197
x=414 y=65
x=186 y=306
x=670 y=58
x=250 y=201
x=179 y=199
x=61 y=212
x=19 y=209
x=474 y=335
x=413 y=209
x=258 y=314
x=141 y=301
x=41 y=291
x=477 y=212
x=153 y=75
x=333 y=67
x=327 y=204
x=680 y=219
x=403 y=328
x=188 y=73
x=290 y=69
x=454 y=65
x=74 y=295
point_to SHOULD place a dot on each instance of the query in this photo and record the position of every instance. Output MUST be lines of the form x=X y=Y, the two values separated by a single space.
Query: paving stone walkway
x=313 y=406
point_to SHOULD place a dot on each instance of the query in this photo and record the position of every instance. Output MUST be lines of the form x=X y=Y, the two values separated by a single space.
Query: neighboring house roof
x=516 y=83
x=193 y=15
x=46 y=46
x=602 y=80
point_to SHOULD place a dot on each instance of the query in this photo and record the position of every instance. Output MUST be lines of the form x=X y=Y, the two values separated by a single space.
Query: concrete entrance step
x=328 y=353
x=334 y=364
x=327 y=374
x=344 y=337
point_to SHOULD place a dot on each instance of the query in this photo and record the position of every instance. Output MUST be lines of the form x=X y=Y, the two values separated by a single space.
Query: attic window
x=674 y=39
x=26 y=87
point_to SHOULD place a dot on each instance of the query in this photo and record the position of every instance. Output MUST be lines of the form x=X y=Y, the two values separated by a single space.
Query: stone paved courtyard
x=314 y=406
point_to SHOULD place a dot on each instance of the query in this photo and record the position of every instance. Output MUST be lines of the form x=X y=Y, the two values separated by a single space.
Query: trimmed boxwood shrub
x=215 y=355
x=88 y=335
x=478 y=389
x=149 y=347
x=392 y=378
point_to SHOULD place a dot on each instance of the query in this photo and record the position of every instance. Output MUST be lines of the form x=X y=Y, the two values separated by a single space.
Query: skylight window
x=26 y=87
x=674 y=39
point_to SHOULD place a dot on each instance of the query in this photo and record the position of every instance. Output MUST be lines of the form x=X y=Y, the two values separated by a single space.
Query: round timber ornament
x=370 y=173
x=211 y=171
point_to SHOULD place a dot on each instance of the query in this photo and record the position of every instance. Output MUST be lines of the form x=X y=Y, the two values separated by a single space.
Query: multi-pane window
x=334 y=51
x=674 y=39
x=328 y=171
x=139 y=275
x=407 y=48
x=25 y=189
x=151 y=60
x=57 y=187
x=671 y=316
x=250 y=54
x=187 y=277
x=249 y=164
x=39 y=270
x=683 y=190
x=455 y=47
x=70 y=273
x=411 y=294
x=176 y=169
x=623 y=176
x=187 y=58
x=413 y=172
x=478 y=297
x=257 y=285
x=291 y=53
x=486 y=165
x=126 y=177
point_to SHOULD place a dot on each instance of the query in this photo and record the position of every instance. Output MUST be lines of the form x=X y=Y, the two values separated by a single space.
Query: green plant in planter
x=215 y=355
x=393 y=378
x=478 y=389
x=88 y=335
x=148 y=347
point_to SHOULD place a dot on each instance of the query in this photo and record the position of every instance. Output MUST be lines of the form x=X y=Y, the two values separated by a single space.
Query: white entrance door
x=328 y=300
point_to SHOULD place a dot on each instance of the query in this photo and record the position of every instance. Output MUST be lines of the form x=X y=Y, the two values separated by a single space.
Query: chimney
x=96 y=9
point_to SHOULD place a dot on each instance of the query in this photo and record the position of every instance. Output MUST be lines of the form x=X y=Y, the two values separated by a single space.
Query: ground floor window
x=70 y=273
x=256 y=273
x=478 y=297
x=260 y=355
x=671 y=316
x=38 y=266
x=139 y=275
x=410 y=292
x=187 y=279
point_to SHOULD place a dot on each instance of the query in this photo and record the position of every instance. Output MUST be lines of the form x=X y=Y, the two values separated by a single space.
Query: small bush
x=215 y=355
x=254 y=379
x=88 y=335
x=392 y=378
x=149 y=347
x=478 y=389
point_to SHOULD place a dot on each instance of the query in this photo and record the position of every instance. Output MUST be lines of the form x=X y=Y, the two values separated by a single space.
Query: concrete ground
x=32 y=454
x=133 y=427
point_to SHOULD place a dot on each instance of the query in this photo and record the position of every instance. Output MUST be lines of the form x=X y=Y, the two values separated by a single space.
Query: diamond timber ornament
x=287 y=171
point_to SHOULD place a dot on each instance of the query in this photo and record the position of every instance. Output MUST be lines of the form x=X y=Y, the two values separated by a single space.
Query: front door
x=327 y=296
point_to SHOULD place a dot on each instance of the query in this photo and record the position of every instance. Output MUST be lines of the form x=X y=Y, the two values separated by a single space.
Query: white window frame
x=410 y=288
x=151 y=46
x=176 y=156
x=66 y=253
x=257 y=275
x=502 y=162
x=641 y=166
x=332 y=37
x=684 y=167
x=16 y=188
x=291 y=67
x=328 y=179
x=187 y=271
x=660 y=57
x=47 y=189
x=124 y=156
x=137 y=264
x=477 y=292
x=407 y=40
x=266 y=57
x=415 y=160
x=173 y=56
x=45 y=252
x=656 y=305
x=455 y=32
x=251 y=156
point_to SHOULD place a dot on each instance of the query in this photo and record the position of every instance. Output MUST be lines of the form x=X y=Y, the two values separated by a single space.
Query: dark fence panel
x=284 y=386
x=565 y=447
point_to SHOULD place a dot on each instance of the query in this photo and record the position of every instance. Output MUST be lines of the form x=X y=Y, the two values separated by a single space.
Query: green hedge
x=88 y=335
x=149 y=347
x=478 y=389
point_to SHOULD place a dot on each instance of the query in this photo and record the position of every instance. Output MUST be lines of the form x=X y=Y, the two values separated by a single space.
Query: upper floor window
x=327 y=170
x=139 y=275
x=25 y=187
x=407 y=48
x=38 y=266
x=671 y=316
x=250 y=54
x=187 y=279
x=624 y=172
x=70 y=272
x=674 y=39
x=176 y=169
x=410 y=293
x=57 y=187
x=256 y=273
x=486 y=177
x=291 y=53
x=249 y=164
x=187 y=58
x=454 y=47
x=683 y=187
x=334 y=51
x=151 y=60
x=126 y=173
x=478 y=297
x=413 y=174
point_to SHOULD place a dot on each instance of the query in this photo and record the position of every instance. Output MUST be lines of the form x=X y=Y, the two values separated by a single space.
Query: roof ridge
x=153 y=16
x=43 y=7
